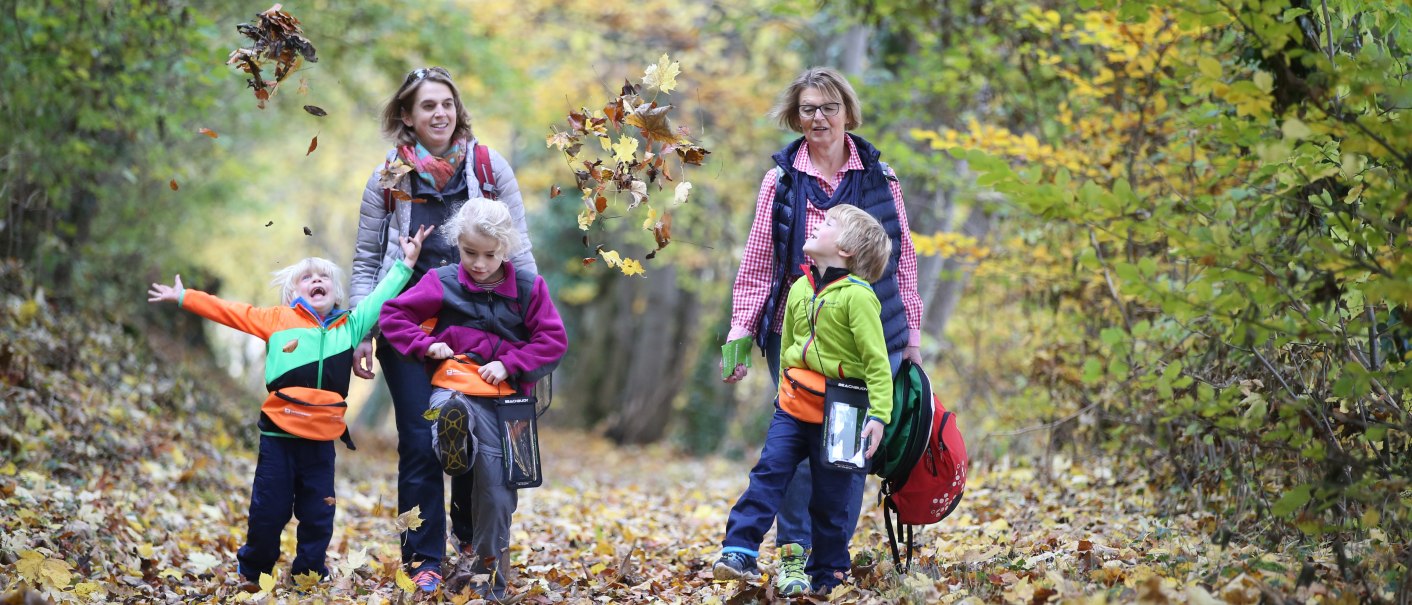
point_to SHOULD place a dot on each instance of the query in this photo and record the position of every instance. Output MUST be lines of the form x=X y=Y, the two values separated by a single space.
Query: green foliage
x=92 y=122
x=1231 y=280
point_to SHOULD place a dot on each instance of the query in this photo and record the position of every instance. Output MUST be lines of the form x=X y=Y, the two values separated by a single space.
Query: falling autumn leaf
x=624 y=149
x=173 y=184
x=208 y=132
x=308 y=231
x=589 y=261
x=554 y=191
x=410 y=520
x=269 y=223
x=315 y=110
x=652 y=121
x=632 y=267
x=663 y=75
x=313 y=144
x=330 y=500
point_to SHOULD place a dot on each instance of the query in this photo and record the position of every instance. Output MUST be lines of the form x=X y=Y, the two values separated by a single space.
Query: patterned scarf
x=435 y=170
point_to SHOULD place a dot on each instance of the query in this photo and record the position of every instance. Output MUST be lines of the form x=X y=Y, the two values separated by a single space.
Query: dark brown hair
x=401 y=104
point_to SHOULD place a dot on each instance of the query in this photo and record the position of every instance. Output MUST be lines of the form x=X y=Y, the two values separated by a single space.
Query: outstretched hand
x=412 y=247
x=165 y=293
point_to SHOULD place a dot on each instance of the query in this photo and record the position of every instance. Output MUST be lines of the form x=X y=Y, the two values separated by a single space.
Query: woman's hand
x=165 y=293
x=363 y=360
x=873 y=435
x=914 y=354
x=412 y=248
x=439 y=350
x=736 y=375
x=494 y=372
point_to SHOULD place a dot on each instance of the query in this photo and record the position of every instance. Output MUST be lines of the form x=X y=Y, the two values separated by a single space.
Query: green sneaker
x=791 y=581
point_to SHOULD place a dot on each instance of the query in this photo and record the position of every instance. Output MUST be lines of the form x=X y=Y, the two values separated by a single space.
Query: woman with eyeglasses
x=432 y=169
x=827 y=166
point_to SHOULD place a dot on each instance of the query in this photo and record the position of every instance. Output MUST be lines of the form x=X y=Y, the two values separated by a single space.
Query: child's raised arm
x=412 y=248
x=165 y=293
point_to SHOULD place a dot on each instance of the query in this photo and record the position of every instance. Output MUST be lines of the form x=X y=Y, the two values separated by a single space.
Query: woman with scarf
x=827 y=166
x=426 y=177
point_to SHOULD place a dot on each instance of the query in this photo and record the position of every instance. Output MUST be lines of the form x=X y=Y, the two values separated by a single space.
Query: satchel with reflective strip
x=459 y=373
x=309 y=413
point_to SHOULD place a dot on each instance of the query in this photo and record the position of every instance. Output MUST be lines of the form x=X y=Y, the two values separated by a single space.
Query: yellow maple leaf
x=632 y=267
x=624 y=149
x=267 y=583
x=306 y=581
x=404 y=582
x=84 y=589
x=611 y=257
x=409 y=520
x=651 y=218
x=663 y=75
x=586 y=218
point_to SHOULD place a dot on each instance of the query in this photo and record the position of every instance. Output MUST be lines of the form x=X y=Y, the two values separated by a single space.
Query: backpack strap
x=484 y=174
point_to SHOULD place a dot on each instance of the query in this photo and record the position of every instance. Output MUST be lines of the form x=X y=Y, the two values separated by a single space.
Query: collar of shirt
x=803 y=163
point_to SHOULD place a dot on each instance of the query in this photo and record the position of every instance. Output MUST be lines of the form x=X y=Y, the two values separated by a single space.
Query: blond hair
x=487 y=218
x=400 y=105
x=864 y=239
x=287 y=279
x=829 y=82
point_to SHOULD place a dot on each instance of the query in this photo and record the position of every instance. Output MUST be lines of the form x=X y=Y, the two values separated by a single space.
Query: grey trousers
x=481 y=504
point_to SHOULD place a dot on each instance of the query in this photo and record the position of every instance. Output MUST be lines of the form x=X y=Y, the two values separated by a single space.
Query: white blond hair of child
x=487 y=218
x=864 y=239
x=287 y=279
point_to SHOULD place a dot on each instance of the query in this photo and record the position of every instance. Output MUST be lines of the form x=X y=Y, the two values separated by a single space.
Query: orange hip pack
x=462 y=375
x=309 y=413
x=801 y=394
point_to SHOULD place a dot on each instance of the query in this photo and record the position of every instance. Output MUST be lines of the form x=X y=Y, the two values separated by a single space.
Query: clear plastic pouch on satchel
x=519 y=439
x=845 y=414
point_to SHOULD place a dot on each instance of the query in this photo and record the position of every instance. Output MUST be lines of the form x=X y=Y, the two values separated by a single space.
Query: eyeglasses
x=828 y=109
x=420 y=74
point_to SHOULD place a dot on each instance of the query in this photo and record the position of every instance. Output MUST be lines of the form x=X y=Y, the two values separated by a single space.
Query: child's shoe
x=791 y=581
x=736 y=566
x=452 y=437
x=427 y=580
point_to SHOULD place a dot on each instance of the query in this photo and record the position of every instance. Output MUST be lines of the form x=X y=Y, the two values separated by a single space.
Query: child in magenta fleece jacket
x=505 y=334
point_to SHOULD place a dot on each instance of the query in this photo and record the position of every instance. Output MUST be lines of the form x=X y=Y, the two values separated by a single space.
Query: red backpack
x=927 y=483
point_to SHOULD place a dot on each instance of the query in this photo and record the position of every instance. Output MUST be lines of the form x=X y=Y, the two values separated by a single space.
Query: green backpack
x=910 y=427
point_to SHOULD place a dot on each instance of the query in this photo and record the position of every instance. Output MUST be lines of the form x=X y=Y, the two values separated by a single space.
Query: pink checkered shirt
x=752 y=282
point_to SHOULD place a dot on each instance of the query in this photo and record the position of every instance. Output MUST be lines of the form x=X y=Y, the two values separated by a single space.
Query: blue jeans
x=788 y=443
x=292 y=477
x=792 y=522
x=419 y=476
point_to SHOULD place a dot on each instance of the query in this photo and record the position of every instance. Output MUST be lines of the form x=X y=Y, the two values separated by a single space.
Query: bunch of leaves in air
x=278 y=38
x=637 y=142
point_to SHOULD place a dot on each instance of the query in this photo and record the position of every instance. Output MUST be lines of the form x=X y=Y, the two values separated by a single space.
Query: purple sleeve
x=547 y=342
x=402 y=317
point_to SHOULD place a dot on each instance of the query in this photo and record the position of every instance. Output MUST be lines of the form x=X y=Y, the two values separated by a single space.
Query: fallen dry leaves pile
x=126 y=479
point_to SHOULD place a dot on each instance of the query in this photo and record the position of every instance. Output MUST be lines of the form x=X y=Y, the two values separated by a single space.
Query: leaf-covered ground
x=125 y=478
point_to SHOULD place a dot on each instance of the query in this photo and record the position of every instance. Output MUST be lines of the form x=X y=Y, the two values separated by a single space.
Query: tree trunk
x=951 y=277
x=631 y=363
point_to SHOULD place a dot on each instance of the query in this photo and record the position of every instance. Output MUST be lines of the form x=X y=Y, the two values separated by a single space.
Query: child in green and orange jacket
x=308 y=361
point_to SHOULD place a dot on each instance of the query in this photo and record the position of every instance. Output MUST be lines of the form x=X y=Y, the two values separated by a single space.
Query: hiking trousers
x=419 y=476
x=481 y=503
x=293 y=477
x=788 y=442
